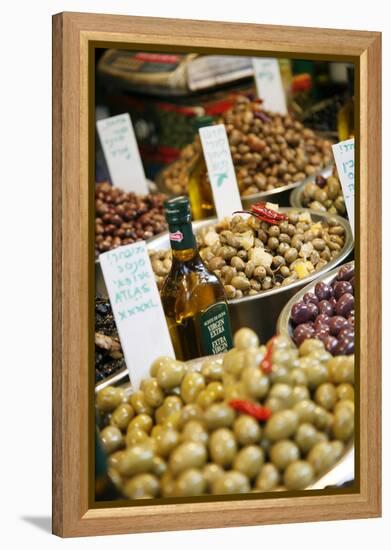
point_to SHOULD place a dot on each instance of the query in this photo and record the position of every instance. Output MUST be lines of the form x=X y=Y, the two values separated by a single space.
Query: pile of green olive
x=180 y=436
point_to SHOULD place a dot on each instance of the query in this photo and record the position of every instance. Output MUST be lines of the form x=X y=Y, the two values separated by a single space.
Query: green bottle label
x=215 y=329
x=181 y=236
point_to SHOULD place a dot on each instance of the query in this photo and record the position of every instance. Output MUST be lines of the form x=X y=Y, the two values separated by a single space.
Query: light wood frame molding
x=73 y=35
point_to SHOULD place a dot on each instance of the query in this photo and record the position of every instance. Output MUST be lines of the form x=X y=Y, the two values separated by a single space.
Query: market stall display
x=258 y=419
x=323 y=194
x=109 y=358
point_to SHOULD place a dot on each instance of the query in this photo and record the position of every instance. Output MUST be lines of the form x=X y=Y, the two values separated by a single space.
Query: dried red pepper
x=252 y=409
x=264 y=214
x=266 y=363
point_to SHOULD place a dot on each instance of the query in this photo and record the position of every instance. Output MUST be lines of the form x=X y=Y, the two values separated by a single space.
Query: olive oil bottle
x=193 y=299
x=200 y=191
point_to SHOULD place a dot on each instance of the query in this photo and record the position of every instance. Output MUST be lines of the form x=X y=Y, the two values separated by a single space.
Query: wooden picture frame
x=74 y=37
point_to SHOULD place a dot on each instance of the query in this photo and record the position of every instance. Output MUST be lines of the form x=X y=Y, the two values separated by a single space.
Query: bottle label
x=215 y=329
x=181 y=237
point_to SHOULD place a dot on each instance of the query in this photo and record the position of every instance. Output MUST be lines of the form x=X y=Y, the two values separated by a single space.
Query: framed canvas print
x=216 y=230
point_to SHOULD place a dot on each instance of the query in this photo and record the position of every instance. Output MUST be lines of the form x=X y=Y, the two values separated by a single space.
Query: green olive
x=216 y=390
x=247 y=430
x=211 y=472
x=212 y=370
x=307 y=436
x=320 y=355
x=249 y=461
x=190 y=412
x=305 y=410
x=281 y=425
x=338 y=449
x=187 y=455
x=194 y=431
x=192 y=384
x=111 y=438
x=280 y=374
x=309 y=346
x=283 y=392
x=344 y=404
x=321 y=457
x=159 y=467
x=283 y=453
x=153 y=394
x=298 y=475
x=222 y=447
x=322 y=418
x=171 y=404
x=205 y=399
x=317 y=374
x=166 y=440
x=274 y=404
x=300 y=393
x=235 y=391
x=234 y=361
x=190 y=483
x=341 y=369
x=121 y=416
x=219 y=415
x=256 y=384
x=135 y=436
x=343 y=423
x=253 y=357
x=109 y=398
x=167 y=485
x=160 y=361
x=245 y=338
x=173 y=420
x=299 y=377
x=136 y=460
x=268 y=478
x=326 y=396
x=140 y=406
x=142 y=486
x=170 y=374
x=284 y=357
x=142 y=422
x=231 y=482
x=345 y=391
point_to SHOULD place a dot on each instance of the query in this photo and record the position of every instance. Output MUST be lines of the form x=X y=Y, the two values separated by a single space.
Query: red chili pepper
x=266 y=363
x=252 y=409
x=264 y=214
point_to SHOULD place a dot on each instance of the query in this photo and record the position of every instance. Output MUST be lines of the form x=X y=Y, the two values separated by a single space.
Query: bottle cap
x=204 y=120
x=177 y=210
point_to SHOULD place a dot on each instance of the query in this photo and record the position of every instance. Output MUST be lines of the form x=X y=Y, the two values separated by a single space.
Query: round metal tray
x=283 y=325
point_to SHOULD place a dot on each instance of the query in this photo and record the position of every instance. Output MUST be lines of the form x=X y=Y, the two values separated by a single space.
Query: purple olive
x=330 y=344
x=337 y=323
x=346 y=272
x=351 y=321
x=347 y=333
x=344 y=347
x=341 y=287
x=320 y=181
x=322 y=334
x=300 y=313
x=352 y=283
x=312 y=310
x=345 y=304
x=303 y=332
x=323 y=291
x=326 y=308
x=310 y=297
x=323 y=318
x=319 y=325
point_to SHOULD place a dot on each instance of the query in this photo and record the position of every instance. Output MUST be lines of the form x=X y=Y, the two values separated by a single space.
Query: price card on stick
x=344 y=159
x=137 y=308
x=221 y=170
x=269 y=84
x=121 y=152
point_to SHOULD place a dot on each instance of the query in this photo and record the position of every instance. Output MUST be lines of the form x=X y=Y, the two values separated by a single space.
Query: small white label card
x=344 y=159
x=121 y=152
x=137 y=308
x=269 y=84
x=221 y=170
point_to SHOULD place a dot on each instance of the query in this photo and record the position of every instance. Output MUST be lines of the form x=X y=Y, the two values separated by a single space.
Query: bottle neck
x=182 y=241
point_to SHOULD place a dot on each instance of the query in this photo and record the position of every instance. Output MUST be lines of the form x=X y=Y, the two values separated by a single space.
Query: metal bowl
x=259 y=312
x=341 y=473
x=283 y=324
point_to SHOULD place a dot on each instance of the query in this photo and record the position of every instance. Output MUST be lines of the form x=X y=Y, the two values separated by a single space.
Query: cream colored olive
x=283 y=453
x=249 y=461
x=231 y=482
x=190 y=483
x=121 y=416
x=219 y=415
x=192 y=384
x=299 y=377
x=268 y=478
x=153 y=393
x=222 y=447
x=245 y=338
x=166 y=440
x=281 y=425
x=234 y=361
x=298 y=475
x=109 y=398
x=300 y=393
x=170 y=374
x=284 y=392
x=194 y=431
x=256 y=384
x=322 y=457
x=247 y=430
x=142 y=486
x=211 y=472
x=136 y=460
x=187 y=455
x=111 y=438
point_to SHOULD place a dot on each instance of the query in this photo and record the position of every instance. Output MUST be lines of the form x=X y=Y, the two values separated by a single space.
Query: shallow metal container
x=259 y=312
x=283 y=325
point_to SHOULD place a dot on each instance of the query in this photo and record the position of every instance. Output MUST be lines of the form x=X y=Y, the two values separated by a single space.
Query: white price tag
x=121 y=152
x=269 y=84
x=344 y=159
x=137 y=308
x=221 y=170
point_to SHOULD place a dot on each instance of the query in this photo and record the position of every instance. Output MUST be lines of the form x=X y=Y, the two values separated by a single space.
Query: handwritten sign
x=137 y=308
x=344 y=159
x=269 y=84
x=121 y=152
x=221 y=170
